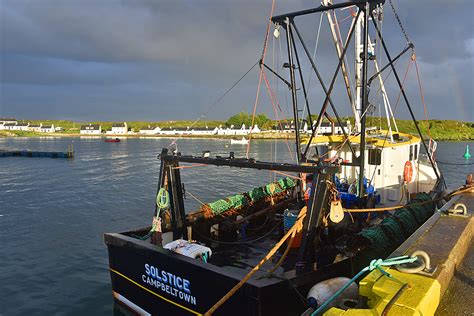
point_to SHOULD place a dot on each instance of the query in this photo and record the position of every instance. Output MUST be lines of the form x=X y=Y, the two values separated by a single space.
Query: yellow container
x=404 y=294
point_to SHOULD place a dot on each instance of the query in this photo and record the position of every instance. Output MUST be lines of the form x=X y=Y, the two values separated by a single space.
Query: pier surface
x=458 y=296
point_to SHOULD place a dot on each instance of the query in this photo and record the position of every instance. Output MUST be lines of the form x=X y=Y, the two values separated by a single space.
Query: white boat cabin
x=394 y=167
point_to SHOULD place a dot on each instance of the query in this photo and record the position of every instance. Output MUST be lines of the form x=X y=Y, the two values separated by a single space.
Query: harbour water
x=53 y=212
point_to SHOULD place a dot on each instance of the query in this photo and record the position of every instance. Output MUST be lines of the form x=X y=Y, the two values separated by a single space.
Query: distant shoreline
x=266 y=135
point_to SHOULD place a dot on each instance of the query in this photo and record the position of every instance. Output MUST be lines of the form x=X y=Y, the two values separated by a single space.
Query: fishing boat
x=348 y=198
x=242 y=141
x=110 y=140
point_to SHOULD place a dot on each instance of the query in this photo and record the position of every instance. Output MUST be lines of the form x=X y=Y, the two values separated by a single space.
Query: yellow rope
x=391 y=208
x=287 y=250
x=296 y=226
x=291 y=234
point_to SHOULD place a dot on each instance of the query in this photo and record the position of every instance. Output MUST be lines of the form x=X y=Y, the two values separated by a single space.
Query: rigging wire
x=422 y=95
x=264 y=52
x=273 y=100
x=308 y=82
x=211 y=107
x=396 y=105
x=399 y=22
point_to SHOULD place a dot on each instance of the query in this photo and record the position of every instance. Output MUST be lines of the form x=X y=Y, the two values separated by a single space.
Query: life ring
x=408 y=172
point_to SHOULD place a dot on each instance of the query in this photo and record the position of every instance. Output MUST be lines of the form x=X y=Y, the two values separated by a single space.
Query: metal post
x=300 y=71
x=321 y=82
x=333 y=81
x=293 y=89
x=311 y=227
x=365 y=100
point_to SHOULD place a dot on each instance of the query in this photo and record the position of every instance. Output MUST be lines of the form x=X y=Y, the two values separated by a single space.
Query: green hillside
x=439 y=129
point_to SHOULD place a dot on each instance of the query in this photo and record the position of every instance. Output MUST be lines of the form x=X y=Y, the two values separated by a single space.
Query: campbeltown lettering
x=168 y=283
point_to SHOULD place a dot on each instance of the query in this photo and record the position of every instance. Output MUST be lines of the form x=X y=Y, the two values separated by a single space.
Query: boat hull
x=134 y=286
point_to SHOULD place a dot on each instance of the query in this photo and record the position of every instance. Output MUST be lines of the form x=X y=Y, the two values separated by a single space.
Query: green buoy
x=467 y=155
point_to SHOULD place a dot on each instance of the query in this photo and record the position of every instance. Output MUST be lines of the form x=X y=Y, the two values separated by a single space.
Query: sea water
x=53 y=212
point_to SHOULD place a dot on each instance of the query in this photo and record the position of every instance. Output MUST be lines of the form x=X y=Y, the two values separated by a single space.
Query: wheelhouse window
x=375 y=156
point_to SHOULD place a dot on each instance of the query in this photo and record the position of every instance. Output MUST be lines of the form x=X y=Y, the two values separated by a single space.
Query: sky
x=152 y=60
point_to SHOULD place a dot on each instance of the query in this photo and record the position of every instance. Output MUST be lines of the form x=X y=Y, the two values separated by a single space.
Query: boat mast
x=364 y=96
x=358 y=46
x=344 y=68
x=291 y=65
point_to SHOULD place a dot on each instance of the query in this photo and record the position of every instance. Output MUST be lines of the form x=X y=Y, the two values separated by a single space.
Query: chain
x=399 y=22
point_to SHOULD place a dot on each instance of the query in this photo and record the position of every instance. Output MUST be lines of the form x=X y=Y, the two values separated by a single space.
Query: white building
x=91 y=129
x=173 y=131
x=16 y=126
x=9 y=126
x=34 y=127
x=119 y=128
x=47 y=128
x=4 y=120
x=242 y=131
x=326 y=128
x=150 y=130
x=202 y=131
x=285 y=127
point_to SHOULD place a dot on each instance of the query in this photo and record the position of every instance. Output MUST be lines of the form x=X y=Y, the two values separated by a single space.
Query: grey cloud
x=171 y=59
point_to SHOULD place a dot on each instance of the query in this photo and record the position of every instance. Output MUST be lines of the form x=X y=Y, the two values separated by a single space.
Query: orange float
x=408 y=172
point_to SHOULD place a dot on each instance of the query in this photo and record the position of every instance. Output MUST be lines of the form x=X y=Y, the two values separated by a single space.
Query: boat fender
x=322 y=291
x=408 y=172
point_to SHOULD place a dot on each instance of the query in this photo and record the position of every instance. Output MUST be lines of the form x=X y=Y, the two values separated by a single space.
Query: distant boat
x=116 y=140
x=242 y=141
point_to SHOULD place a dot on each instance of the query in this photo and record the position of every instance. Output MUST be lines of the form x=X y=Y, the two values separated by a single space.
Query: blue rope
x=374 y=264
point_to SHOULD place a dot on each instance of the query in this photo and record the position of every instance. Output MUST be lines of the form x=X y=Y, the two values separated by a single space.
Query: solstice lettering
x=169 y=283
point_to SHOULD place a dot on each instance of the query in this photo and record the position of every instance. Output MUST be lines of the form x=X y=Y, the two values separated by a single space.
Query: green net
x=384 y=238
x=219 y=206
x=407 y=221
x=392 y=229
x=286 y=183
x=257 y=194
x=238 y=200
x=273 y=188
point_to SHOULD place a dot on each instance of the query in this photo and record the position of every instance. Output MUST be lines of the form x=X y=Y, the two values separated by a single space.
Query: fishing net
x=238 y=200
x=286 y=183
x=253 y=196
x=257 y=194
x=379 y=241
x=392 y=229
x=219 y=206
x=273 y=188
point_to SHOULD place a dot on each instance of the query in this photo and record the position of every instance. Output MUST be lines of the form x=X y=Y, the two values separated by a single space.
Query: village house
x=326 y=128
x=16 y=126
x=47 y=128
x=9 y=126
x=150 y=130
x=202 y=131
x=284 y=127
x=242 y=131
x=173 y=131
x=119 y=128
x=4 y=120
x=34 y=127
x=91 y=129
